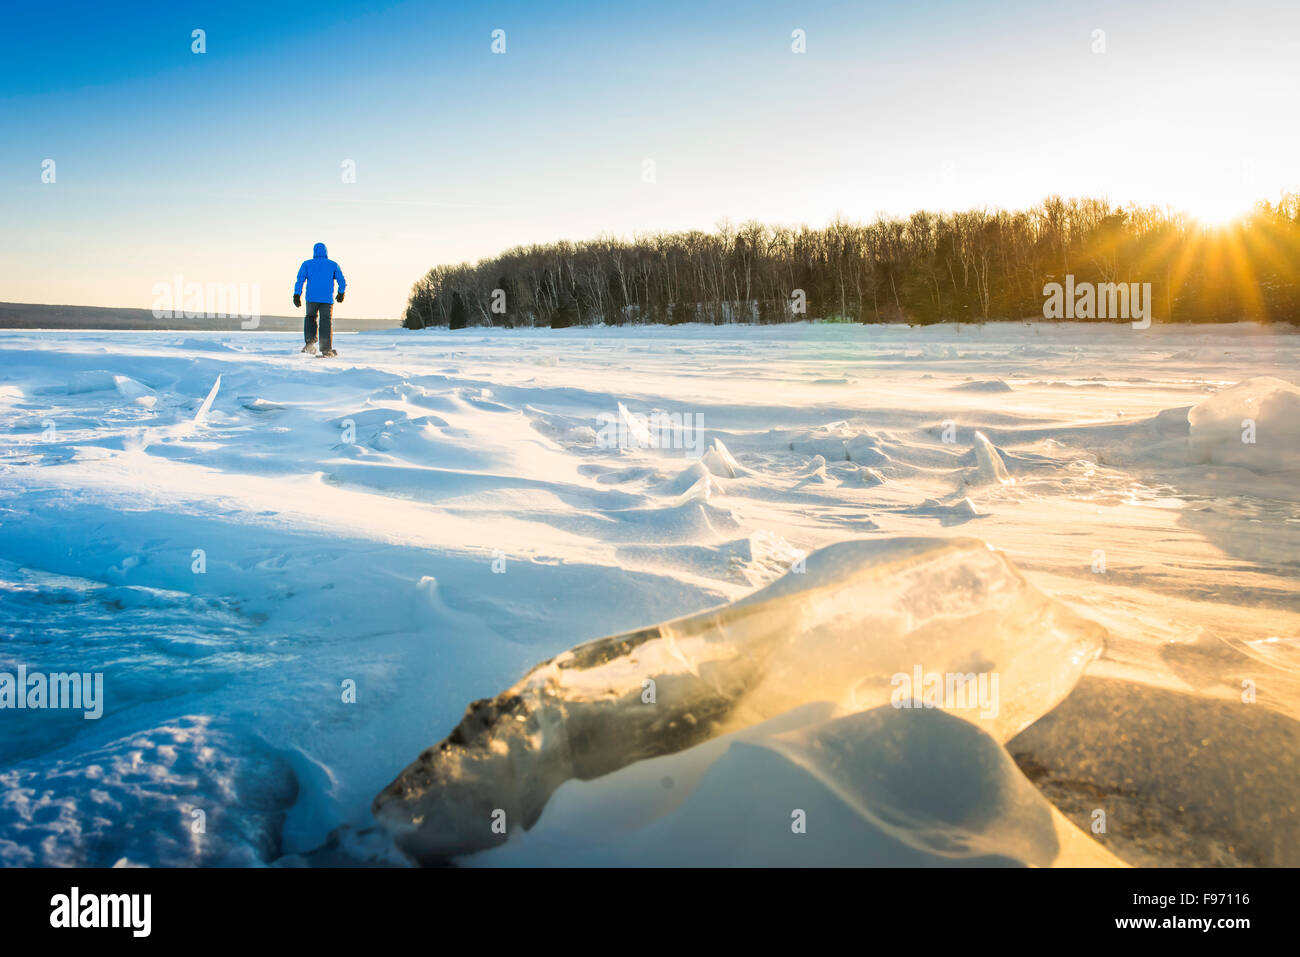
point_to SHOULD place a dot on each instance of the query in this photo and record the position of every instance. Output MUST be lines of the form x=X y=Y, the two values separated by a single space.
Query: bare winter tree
x=929 y=267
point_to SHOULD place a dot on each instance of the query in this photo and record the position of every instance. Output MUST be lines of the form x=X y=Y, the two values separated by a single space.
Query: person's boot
x=310 y=348
x=328 y=352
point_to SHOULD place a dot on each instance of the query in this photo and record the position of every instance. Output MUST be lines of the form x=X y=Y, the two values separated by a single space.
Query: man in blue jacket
x=319 y=274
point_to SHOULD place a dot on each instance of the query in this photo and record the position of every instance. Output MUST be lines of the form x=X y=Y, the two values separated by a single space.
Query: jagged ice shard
x=918 y=622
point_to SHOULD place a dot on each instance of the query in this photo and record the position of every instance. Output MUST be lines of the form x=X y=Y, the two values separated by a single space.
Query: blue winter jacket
x=319 y=274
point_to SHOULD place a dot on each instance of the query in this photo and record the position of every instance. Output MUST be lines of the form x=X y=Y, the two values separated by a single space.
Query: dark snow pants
x=325 y=309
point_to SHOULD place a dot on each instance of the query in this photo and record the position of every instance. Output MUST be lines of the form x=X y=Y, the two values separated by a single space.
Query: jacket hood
x=318 y=251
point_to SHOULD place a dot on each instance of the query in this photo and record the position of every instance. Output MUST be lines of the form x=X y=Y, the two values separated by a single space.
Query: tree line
x=930 y=267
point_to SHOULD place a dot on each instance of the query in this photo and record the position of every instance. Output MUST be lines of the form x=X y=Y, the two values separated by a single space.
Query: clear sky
x=227 y=166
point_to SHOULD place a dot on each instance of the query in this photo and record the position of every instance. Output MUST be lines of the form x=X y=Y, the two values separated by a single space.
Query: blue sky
x=226 y=166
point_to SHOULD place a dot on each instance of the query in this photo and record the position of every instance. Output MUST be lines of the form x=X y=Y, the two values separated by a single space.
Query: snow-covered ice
x=295 y=574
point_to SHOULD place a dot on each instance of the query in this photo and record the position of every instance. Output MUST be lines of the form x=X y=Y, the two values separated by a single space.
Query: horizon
x=1155 y=111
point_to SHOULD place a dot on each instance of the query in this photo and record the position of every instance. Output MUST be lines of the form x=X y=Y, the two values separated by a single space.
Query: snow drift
x=1253 y=425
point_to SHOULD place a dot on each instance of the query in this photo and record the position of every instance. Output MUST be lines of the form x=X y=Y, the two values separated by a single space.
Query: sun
x=1219 y=209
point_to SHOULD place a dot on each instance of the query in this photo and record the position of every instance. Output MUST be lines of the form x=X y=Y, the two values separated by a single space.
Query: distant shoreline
x=38 y=316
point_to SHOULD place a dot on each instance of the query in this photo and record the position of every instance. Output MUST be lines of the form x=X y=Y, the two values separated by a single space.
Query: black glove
x=339 y=297
x=297 y=300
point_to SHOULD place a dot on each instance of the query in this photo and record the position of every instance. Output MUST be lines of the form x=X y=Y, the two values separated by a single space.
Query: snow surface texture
x=425 y=518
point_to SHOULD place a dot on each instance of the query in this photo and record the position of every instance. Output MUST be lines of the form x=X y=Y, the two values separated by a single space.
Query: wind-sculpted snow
x=293 y=591
x=935 y=622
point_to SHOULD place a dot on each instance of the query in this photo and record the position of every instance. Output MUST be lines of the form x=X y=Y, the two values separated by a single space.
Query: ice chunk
x=989 y=468
x=955 y=513
x=941 y=622
x=756 y=560
x=260 y=405
x=983 y=385
x=868 y=476
x=814 y=474
x=1253 y=425
x=865 y=799
x=816 y=467
x=130 y=388
x=719 y=461
x=634 y=428
x=836 y=442
x=693 y=481
x=817 y=478
x=866 y=450
x=99 y=380
x=207 y=403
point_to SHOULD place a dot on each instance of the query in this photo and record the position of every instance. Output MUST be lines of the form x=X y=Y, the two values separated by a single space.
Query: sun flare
x=1220 y=209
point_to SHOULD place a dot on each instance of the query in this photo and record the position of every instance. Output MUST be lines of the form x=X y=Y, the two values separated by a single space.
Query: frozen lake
x=291 y=593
